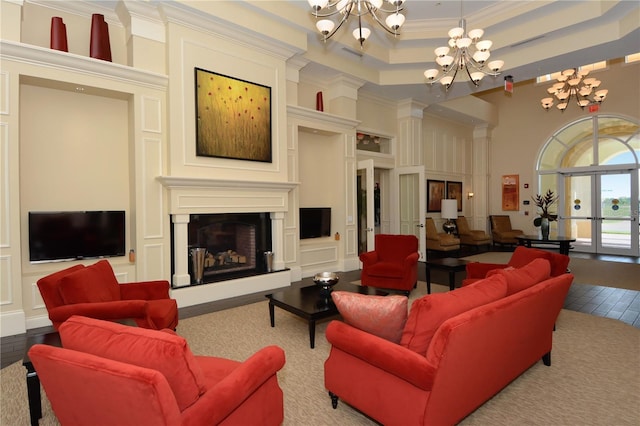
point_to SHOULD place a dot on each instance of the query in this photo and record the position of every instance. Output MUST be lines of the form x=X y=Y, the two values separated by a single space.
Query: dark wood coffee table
x=33 y=382
x=449 y=264
x=563 y=242
x=312 y=303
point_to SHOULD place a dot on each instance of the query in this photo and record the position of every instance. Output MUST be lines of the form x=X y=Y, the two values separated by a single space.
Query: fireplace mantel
x=190 y=195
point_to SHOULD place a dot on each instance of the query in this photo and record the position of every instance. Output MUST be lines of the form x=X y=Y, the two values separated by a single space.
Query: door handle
x=420 y=225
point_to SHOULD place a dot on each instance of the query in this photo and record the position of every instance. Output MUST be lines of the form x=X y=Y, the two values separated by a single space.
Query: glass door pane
x=615 y=217
x=578 y=218
x=366 y=196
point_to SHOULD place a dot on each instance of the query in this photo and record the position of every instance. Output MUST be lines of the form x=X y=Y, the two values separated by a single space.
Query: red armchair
x=94 y=291
x=393 y=264
x=521 y=257
x=113 y=374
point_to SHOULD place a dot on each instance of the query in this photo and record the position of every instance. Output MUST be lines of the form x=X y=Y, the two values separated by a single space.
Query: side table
x=33 y=382
x=448 y=264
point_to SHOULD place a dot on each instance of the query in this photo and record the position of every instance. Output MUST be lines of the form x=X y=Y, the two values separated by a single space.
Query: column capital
x=409 y=108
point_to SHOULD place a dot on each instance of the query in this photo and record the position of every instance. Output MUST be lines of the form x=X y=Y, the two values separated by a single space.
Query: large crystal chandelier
x=466 y=51
x=357 y=8
x=573 y=84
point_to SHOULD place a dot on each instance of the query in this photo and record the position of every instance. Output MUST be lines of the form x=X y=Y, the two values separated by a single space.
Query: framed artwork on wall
x=233 y=118
x=454 y=191
x=435 y=194
x=510 y=192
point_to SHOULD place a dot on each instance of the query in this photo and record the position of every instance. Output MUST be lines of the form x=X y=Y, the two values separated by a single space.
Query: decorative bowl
x=326 y=280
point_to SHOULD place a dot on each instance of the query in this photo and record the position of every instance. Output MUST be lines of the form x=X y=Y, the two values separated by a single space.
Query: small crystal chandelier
x=358 y=8
x=572 y=83
x=463 y=57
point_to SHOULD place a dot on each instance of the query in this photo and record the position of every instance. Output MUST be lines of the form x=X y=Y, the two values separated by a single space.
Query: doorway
x=592 y=164
x=599 y=213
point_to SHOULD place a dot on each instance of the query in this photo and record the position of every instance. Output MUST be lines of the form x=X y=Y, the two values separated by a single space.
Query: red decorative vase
x=100 y=48
x=58 y=34
x=319 y=103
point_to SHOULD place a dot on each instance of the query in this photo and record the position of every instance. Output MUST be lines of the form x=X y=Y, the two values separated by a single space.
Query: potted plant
x=543 y=202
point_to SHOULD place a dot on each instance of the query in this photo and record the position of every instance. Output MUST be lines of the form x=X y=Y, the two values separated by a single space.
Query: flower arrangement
x=543 y=202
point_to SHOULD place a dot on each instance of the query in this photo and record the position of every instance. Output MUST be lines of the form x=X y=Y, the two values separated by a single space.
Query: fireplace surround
x=190 y=196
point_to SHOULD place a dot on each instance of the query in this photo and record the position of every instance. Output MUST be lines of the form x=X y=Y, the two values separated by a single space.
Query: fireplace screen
x=234 y=242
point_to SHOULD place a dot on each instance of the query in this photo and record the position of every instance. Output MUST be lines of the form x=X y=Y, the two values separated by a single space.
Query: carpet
x=594 y=378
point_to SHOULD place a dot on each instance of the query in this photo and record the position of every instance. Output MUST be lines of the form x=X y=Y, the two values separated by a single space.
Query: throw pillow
x=429 y=312
x=383 y=316
x=95 y=283
x=519 y=279
x=163 y=351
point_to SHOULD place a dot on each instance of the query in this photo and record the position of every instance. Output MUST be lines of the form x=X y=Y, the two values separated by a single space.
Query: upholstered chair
x=471 y=237
x=393 y=264
x=440 y=241
x=113 y=374
x=93 y=291
x=502 y=232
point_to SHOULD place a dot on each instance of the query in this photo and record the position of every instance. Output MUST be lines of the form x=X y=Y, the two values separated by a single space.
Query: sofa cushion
x=429 y=312
x=522 y=278
x=383 y=316
x=49 y=287
x=162 y=351
x=95 y=283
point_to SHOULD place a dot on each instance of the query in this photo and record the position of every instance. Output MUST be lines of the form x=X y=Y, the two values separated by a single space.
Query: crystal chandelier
x=357 y=8
x=466 y=51
x=572 y=83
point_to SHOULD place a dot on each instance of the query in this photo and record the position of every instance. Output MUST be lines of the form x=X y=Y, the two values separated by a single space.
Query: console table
x=563 y=242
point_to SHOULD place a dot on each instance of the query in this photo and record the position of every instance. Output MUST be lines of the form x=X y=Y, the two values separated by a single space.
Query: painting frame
x=435 y=195
x=454 y=191
x=510 y=192
x=233 y=117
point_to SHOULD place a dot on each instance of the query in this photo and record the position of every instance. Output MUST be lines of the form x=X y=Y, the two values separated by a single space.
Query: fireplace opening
x=234 y=242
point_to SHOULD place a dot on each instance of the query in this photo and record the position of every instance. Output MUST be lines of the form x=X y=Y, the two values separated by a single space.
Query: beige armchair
x=469 y=236
x=502 y=232
x=440 y=241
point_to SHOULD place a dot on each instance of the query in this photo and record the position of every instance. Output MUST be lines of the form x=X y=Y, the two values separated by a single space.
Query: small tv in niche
x=73 y=235
x=315 y=222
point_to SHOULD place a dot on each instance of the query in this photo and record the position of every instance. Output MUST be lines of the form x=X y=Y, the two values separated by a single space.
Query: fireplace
x=234 y=242
x=193 y=196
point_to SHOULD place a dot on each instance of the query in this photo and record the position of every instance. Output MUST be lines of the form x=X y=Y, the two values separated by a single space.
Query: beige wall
x=524 y=127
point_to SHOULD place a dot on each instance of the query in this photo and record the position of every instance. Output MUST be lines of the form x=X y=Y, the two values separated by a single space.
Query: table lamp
x=449 y=210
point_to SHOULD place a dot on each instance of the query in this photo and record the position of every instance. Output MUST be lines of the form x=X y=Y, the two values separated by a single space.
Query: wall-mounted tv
x=58 y=236
x=315 y=222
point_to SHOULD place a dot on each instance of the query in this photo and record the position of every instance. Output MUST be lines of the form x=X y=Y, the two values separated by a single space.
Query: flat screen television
x=315 y=222
x=58 y=236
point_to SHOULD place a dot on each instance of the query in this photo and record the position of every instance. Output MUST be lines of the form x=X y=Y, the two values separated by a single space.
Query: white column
x=277 y=240
x=181 y=275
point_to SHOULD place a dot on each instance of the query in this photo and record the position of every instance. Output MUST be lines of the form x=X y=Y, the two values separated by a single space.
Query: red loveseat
x=113 y=374
x=521 y=256
x=94 y=291
x=458 y=349
x=393 y=264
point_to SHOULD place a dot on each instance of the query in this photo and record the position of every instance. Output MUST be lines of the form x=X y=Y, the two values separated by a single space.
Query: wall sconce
x=469 y=195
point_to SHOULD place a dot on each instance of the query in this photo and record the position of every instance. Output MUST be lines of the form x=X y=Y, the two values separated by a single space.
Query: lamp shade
x=449 y=209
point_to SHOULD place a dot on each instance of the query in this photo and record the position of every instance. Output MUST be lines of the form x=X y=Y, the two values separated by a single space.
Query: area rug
x=594 y=378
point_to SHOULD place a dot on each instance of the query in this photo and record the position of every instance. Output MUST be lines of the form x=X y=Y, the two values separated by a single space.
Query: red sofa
x=113 y=374
x=458 y=349
x=393 y=264
x=94 y=291
x=521 y=256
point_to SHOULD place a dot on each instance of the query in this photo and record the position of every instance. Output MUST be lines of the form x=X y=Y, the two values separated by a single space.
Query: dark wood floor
x=619 y=304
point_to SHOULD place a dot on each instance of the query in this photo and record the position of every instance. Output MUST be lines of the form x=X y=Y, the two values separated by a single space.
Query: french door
x=601 y=210
x=366 y=199
x=410 y=202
